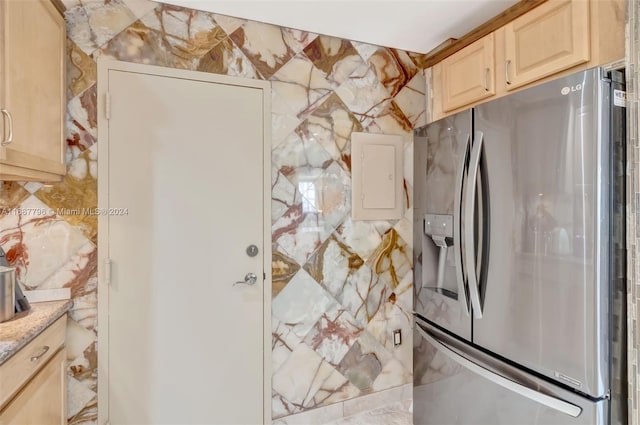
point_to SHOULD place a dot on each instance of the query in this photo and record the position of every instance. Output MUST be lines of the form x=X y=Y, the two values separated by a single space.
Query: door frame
x=104 y=66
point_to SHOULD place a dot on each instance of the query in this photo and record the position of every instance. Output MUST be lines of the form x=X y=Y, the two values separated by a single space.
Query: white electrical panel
x=376 y=176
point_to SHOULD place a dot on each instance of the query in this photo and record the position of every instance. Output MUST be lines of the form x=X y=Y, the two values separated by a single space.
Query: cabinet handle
x=486 y=79
x=506 y=71
x=43 y=351
x=10 y=138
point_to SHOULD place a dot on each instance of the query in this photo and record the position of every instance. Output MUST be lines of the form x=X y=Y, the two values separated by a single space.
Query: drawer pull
x=39 y=355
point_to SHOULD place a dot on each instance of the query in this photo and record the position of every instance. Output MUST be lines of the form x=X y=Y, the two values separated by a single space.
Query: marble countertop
x=17 y=332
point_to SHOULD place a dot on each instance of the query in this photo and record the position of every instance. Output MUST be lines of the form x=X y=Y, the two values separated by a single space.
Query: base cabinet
x=43 y=399
x=33 y=383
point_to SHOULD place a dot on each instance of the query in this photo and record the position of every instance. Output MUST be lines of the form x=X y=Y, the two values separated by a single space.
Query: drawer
x=44 y=399
x=24 y=364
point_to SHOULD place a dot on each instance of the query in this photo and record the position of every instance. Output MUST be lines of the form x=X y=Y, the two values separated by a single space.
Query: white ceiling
x=416 y=25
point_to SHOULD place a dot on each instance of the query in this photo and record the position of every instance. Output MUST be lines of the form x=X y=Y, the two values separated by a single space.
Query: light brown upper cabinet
x=556 y=38
x=468 y=75
x=32 y=91
x=551 y=38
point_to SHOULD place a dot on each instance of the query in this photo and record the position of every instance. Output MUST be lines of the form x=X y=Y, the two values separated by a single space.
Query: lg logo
x=566 y=90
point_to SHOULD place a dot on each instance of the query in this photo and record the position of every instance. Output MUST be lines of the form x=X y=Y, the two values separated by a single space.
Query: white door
x=182 y=170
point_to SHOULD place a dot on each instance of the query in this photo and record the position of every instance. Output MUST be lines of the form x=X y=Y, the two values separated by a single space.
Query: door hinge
x=107 y=271
x=107 y=105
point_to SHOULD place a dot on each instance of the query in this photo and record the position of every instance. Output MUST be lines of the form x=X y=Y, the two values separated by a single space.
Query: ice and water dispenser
x=438 y=229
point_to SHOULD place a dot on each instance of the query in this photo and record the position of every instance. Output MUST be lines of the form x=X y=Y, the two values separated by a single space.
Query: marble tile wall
x=360 y=410
x=340 y=287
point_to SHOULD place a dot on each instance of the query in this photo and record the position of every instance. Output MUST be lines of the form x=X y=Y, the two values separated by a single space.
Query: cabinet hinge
x=107 y=271
x=107 y=105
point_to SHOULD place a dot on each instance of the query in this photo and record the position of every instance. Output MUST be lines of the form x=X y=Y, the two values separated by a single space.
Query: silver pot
x=7 y=292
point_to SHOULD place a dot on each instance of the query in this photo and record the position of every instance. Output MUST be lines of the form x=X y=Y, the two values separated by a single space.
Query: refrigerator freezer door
x=441 y=152
x=458 y=385
x=545 y=299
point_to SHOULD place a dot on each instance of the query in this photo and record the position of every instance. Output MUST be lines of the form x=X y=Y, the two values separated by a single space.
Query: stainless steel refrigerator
x=519 y=259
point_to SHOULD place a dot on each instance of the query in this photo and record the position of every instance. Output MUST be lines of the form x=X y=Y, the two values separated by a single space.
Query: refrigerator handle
x=511 y=385
x=457 y=231
x=469 y=224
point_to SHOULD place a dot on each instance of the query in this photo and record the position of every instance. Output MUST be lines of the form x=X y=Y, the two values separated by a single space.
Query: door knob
x=249 y=279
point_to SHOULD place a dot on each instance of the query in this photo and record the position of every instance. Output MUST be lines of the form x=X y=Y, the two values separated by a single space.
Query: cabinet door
x=43 y=399
x=32 y=75
x=468 y=75
x=549 y=39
